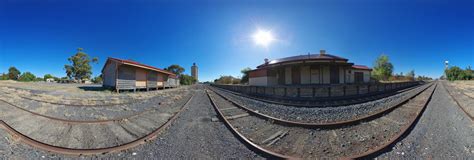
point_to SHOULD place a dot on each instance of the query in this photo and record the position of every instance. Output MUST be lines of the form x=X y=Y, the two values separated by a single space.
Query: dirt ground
x=466 y=86
x=85 y=94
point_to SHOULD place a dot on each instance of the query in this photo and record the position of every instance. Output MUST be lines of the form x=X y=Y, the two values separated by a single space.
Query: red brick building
x=309 y=69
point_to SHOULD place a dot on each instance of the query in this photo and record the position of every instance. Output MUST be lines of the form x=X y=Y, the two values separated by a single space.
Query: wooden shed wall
x=140 y=77
x=108 y=74
x=160 y=79
x=126 y=77
x=172 y=82
x=131 y=77
x=152 y=78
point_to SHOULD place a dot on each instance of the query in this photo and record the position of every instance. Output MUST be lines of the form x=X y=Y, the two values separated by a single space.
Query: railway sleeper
x=335 y=142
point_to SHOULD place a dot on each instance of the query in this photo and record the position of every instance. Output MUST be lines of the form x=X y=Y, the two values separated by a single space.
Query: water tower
x=194 y=72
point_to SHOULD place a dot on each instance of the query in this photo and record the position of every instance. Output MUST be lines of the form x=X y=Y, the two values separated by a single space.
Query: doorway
x=358 y=77
x=334 y=74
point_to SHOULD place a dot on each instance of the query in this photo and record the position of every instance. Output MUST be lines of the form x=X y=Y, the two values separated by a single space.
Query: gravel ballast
x=191 y=136
x=443 y=132
x=321 y=115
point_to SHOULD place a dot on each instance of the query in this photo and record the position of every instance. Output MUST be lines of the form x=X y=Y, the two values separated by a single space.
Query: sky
x=39 y=36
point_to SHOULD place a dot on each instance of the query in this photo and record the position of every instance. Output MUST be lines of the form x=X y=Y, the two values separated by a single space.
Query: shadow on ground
x=93 y=88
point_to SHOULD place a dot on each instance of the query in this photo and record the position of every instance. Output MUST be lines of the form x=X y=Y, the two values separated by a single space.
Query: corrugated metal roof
x=304 y=57
x=137 y=64
x=361 y=67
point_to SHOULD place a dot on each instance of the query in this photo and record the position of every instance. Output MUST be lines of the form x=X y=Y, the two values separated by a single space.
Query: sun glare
x=263 y=38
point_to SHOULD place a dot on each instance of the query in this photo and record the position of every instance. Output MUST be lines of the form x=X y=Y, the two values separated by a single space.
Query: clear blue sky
x=39 y=36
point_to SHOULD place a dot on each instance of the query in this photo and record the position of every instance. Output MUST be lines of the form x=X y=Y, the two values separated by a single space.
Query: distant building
x=309 y=69
x=194 y=72
x=130 y=75
x=50 y=80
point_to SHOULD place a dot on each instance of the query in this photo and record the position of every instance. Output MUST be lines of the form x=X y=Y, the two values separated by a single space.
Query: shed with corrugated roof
x=122 y=74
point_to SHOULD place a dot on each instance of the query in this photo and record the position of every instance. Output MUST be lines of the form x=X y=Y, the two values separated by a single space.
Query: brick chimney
x=322 y=52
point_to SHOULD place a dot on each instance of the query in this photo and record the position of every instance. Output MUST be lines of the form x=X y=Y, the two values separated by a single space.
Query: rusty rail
x=362 y=155
x=242 y=137
x=289 y=103
x=80 y=121
x=318 y=92
x=71 y=151
x=74 y=105
x=327 y=125
x=459 y=104
x=398 y=136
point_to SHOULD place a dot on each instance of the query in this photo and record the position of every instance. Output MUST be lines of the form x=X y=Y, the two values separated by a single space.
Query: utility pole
x=446 y=66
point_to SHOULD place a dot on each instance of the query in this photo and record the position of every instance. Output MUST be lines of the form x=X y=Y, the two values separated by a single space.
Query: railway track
x=280 y=139
x=326 y=123
x=462 y=100
x=128 y=102
x=322 y=102
x=86 y=138
x=87 y=113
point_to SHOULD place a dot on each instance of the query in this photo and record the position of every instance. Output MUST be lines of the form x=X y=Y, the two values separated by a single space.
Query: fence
x=312 y=92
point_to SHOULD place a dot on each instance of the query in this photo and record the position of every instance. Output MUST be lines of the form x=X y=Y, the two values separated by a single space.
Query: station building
x=122 y=74
x=309 y=69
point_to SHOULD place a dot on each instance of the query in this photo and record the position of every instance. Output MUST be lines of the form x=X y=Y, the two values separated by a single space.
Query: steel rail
x=370 y=152
x=242 y=137
x=457 y=102
x=75 y=105
x=69 y=121
x=75 y=99
x=398 y=136
x=326 y=125
x=382 y=95
x=72 y=151
x=462 y=91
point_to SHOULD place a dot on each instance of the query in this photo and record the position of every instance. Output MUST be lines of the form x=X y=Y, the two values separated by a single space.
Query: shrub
x=27 y=77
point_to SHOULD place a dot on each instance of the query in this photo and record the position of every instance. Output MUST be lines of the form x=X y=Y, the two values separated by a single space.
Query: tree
x=227 y=80
x=186 y=79
x=80 y=68
x=467 y=74
x=245 y=75
x=453 y=73
x=176 y=69
x=13 y=73
x=27 y=77
x=97 y=79
x=383 y=68
x=411 y=75
x=38 y=79
x=4 y=76
x=423 y=78
x=47 y=76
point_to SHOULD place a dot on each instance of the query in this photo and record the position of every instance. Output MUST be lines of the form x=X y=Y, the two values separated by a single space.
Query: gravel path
x=191 y=136
x=443 y=132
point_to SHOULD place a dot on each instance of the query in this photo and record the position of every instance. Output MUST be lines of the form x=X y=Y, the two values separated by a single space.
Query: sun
x=263 y=37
